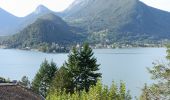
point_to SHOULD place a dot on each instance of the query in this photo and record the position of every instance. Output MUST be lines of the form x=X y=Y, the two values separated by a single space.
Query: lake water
x=128 y=65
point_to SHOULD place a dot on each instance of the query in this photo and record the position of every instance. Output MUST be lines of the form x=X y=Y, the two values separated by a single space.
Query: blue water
x=128 y=65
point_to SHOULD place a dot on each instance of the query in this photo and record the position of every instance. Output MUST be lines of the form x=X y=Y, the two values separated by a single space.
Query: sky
x=160 y=4
x=22 y=8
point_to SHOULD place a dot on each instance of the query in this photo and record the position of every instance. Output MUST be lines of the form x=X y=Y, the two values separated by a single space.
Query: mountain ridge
x=41 y=6
x=124 y=20
x=107 y=21
x=7 y=21
x=15 y=23
x=48 y=29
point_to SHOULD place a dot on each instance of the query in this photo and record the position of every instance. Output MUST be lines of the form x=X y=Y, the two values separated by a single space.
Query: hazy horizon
x=14 y=7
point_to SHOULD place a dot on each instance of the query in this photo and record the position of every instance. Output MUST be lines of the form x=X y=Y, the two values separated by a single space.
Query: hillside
x=46 y=30
x=11 y=24
x=32 y=17
x=119 y=20
x=100 y=21
x=8 y=22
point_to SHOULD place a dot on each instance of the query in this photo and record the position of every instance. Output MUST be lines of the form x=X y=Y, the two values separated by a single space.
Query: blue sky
x=23 y=7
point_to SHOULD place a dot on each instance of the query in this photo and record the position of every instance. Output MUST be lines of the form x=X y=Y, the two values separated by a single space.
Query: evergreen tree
x=61 y=81
x=66 y=77
x=83 y=67
x=25 y=82
x=43 y=78
x=79 y=72
x=88 y=68
x=73 y=69
x=2 y=80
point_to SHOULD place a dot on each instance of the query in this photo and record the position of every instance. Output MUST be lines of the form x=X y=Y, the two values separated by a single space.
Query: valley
x=92 y=50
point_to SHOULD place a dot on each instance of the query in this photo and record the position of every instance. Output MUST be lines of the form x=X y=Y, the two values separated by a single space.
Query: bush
x=97 y=92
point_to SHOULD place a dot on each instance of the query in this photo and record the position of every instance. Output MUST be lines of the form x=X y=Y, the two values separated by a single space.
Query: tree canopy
x=161 y=89
x=43 y=78
x=79 y=72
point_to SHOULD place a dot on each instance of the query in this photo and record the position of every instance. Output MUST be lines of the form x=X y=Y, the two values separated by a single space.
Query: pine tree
x=25 y=82
x=83 y=68
x=80 y=71
x=73 y=69
x=43 y=78
x=88 y=68
x=62 y=80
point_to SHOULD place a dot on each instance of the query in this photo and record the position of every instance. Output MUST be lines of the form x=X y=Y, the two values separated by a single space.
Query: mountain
x=47 y=29
x=39 y=11
x=119 y=20
x=76 y=6
x=29 y=19
x=11 y=24
x=8 y=22
x=100 y=21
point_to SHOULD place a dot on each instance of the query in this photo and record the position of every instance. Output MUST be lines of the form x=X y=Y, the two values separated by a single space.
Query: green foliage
x=47 y=30
x=168 y=51
x=82 y=67
x=2 y=80
x=25 y=82
x=61 y=81
x=78 y=74
x=124 y=20
x=122 y=91
x=77 y=79
x=146 y=93
x=88 y=67
x=96 y=92
x=44 y=77
x=161 y=89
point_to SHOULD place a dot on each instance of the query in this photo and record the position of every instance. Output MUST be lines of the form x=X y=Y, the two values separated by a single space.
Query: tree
x=97 y=92
x=83 y=67
x=73 y=69
x=161 y=73
x=44 y=77
x=122 y=91
x=113 y=91
x=145 y=93
x=79 y=72
x=61 y=81
x=88 y=68
x=25 y=82
x=2 y=80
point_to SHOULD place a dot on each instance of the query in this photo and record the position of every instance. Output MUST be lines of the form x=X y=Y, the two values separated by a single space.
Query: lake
x=128 y=65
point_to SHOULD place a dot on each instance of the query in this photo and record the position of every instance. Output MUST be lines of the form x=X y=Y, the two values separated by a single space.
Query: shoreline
x=36 y=50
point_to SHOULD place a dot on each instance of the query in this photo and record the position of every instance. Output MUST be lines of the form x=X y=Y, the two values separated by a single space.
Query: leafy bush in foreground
x=97 y=92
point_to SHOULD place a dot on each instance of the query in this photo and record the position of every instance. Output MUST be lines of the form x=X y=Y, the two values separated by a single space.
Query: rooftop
x=13 y=91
